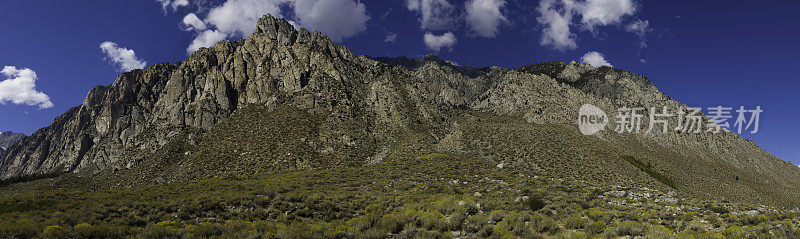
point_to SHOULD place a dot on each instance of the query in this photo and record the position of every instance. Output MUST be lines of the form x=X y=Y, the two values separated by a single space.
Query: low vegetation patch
x=647 y=168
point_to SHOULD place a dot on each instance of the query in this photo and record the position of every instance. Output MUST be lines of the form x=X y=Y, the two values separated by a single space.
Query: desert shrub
x=534 y=203
x=163 y=229
x=574 y=222
x=202 y=230
x=327 y=230
x=431 y=221
x=659 y=232
x=502 y=230
x=630 y=228
x=474 y=223
x=85 y=230
x=687 y=216
x=544 y=224
x=394 y=222
x=717 y=208
x=415 y=232
x=373 y=233
x=595 y=214
x=295 y=230
x=56 y=231
x=456 y=220
x=21 y=228
x=596 y=227
x=361 y=223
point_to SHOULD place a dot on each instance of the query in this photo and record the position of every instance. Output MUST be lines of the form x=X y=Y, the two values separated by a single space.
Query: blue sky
x=702 y=53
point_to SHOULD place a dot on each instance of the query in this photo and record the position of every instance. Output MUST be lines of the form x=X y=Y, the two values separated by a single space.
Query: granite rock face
x=118 y=125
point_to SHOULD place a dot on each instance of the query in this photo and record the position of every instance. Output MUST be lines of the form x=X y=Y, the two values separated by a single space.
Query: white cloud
x=391 y=37
x=239 y=17
x=413 y=5
x=556 y=19
x=605 y=12
x=436 y=14
x=484 y=16
x=338 y=19
x=179 y=3
x=174 y=4
x=640 y=28
x=193 y=23
x=19 y=87
x=436 y=43
x=206 y=38
x=595 y=59
x=232 y=18
x=125 y=58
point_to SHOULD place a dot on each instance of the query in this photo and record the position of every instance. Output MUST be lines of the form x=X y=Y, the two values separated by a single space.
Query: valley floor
x=432 y=196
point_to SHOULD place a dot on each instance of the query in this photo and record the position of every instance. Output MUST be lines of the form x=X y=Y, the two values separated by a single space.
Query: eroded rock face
x=117 y=125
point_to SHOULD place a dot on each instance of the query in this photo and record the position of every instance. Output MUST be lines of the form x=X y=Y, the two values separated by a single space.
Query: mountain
x=286 y=99
x=285 y=134
x=8 y=138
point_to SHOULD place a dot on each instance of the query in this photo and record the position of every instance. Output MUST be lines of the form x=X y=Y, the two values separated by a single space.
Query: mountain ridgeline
x=284 y=99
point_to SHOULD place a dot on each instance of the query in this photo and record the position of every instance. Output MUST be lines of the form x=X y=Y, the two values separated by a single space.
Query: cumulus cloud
x=556 y=18
x=231 y=19
x=605 y=12
x=193 y=23
x=206 y=38
x=165 y=4
x=124 y=58
x=436 y=43
x=595 y=59
x=484 y=16
x=239 y=17
x=19 y=88
x=391 y=37
x=338 y=19
x=435 y=14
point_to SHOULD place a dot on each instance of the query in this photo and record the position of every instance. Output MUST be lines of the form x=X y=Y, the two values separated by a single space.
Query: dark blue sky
x=702 y=53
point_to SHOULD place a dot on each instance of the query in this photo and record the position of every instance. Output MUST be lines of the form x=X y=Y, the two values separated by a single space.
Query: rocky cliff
x=357 y=108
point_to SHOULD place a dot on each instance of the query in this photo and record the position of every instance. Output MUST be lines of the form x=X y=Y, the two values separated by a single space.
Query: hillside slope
x=284 y=99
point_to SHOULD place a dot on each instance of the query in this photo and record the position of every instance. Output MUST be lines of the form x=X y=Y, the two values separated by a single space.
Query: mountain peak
x=277 y=29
